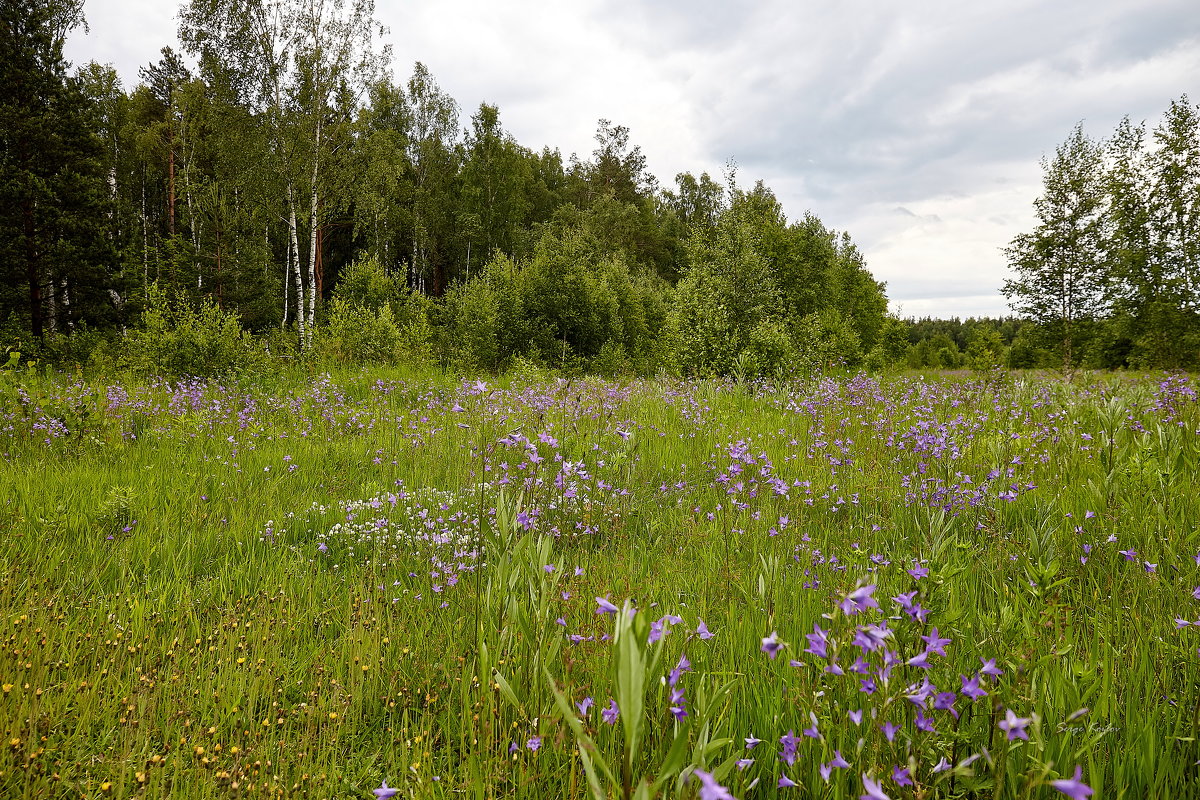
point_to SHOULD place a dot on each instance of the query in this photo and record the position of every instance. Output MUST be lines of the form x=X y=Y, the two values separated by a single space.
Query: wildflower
x=970 y=687
x=936 y=644
x=871 y=637
x=1014 y=726
x=818 y=642
x=918 y=571
x=901 y=776
x=785 y=782
x=941 y=766
x=583 y=706
x=1150 y=567
x=919 y=695
x=1130 y=555
x=855 y=716
x=859 y=600
x=873 y=790
x=603 y=606
x=752 y=742
x=771 y=644
x=990 y=668
x=789 y=742
x=1073 y=787
x=549 y=568
x=812 y=732
x=677 y=707
x=384 y=791
x=534 y=743
x=321 y=548
x=920 y=660
x=889 y=730
x=710 y=789
x=944 y=701
x=742 y=763
x=703 y=632
x=611 y=713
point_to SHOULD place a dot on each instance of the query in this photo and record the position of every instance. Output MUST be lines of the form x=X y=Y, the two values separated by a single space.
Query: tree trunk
x=33 y=271
x=295 y=263
x=287 y=273
x=171 y=185
x=313 y=243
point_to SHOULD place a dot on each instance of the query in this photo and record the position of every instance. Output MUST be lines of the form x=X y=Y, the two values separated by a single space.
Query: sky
x=916 y=127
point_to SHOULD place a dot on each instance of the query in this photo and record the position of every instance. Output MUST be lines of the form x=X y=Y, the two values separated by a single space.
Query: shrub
x=354 y=334
x=177 y=337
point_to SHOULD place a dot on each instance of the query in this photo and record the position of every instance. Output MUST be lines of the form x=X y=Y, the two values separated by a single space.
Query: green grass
x=227 y=590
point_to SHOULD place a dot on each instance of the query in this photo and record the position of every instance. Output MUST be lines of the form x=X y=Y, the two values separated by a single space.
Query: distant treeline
x=977 y=343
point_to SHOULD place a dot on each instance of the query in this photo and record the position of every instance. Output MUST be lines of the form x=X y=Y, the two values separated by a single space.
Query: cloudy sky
x=917 y=126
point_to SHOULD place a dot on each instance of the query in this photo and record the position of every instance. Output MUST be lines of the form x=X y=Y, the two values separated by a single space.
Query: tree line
x=288 y=185
x=1111 y=271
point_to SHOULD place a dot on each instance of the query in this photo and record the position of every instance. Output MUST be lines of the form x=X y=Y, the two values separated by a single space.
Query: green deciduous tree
x=1060 y=267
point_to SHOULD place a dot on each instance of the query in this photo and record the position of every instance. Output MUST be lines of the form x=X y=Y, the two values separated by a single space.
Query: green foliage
x=727 y=293
x=828 y=342
x=1109 y=270
x=374 y=318
x=366 y=284
x=762 y=297
x=985 y=349
x=480 y=319
x=177 y=337
x=55 y=259
x=357 y=335
x=1059 y=266
x=235 y=180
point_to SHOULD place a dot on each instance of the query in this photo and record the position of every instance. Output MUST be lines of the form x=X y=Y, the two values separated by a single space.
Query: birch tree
x=303 y=67
x=1061 y=266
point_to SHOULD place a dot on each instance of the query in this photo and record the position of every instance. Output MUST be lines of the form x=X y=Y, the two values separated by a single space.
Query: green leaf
x=507 y=691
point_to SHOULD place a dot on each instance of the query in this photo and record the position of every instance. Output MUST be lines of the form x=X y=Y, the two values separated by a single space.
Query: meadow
x=392 y=582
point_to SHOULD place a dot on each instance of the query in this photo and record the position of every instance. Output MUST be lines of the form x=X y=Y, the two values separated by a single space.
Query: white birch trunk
x=310 y=306
x=287 y=273
x=295 y=260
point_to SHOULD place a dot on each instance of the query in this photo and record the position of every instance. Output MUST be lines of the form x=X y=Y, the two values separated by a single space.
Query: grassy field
x=537 y=587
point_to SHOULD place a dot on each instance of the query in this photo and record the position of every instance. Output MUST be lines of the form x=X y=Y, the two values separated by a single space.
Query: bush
x=827 y=341
x=373 y=318
x=354 y=334
x=177 y=337
x=366 y=284
x=471 y=326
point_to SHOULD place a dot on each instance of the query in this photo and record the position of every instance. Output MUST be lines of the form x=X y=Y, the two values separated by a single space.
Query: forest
x=290 y=189
x=271 y=190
